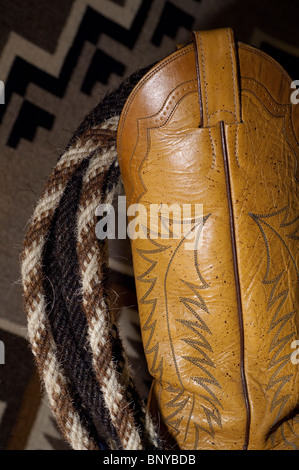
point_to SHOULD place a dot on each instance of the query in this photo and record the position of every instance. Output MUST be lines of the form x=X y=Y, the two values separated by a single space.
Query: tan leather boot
x=213 y=124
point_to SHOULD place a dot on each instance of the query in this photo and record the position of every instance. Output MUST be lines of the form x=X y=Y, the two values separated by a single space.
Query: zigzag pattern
x=278 y=351
x=202 y=361
x=52 y=72
x=199 y=342
x=22 y=58
x=178 y=403
x=93 y=25
x=150 y=324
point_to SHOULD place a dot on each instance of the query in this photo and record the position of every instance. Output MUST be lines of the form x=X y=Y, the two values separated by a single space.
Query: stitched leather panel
x=218 y=82
x=198 y=352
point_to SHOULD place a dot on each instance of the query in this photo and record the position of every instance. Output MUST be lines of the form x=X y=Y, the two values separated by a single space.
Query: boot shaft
x=213 y=126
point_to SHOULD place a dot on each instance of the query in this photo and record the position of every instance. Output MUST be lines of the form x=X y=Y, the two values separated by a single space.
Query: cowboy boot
x=212 y=126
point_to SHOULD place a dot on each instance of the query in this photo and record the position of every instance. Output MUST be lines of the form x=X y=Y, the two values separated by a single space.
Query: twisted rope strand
x=94 y=299
x=110 y=413
x=39 y=331
x=66 y=316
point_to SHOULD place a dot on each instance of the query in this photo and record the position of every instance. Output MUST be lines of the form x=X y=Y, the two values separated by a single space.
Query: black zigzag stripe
x=100 y=69
x=29 y=119
x=171 y=19
x=92 y=26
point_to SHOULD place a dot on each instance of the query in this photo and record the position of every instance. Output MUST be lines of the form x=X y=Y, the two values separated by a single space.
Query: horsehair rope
x=72 y=330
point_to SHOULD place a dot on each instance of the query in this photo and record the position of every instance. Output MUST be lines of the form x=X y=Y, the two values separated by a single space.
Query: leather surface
x=213 y=124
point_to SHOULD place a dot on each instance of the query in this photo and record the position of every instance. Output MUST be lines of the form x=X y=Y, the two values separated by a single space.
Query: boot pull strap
x=217 y=74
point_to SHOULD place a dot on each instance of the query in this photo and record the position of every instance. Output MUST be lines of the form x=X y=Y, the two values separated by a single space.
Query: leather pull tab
x=217 y=76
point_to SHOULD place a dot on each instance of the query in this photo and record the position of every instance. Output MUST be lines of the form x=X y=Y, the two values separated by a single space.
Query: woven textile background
x=57 y=61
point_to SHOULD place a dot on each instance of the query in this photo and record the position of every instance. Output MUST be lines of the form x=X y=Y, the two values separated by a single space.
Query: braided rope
x=64 y=309
x=39 y=332
x=102 y=329
x=97 y=311
x=133 y=425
